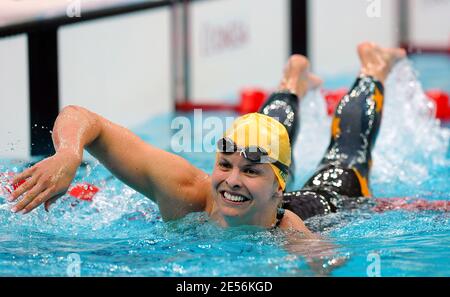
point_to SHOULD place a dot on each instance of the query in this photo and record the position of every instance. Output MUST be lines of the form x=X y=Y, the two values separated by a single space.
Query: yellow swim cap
x=259 y=130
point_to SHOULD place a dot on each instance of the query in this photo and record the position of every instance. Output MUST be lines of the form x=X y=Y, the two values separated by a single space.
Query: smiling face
x=245 y=193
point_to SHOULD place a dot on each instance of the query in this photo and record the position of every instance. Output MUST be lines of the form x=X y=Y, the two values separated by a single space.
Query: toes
x=400 y=53
x=297 y=64
x=297 y=59
x=365 y=48
x=314 y=81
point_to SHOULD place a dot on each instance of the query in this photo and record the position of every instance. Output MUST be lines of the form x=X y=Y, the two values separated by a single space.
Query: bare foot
x=297 y=78
x=377 y=61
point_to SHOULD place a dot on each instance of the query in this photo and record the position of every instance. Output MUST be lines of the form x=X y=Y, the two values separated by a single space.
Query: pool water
x=120 y=233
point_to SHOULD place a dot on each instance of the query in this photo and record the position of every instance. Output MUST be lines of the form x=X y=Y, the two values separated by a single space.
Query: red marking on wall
x=215 y=39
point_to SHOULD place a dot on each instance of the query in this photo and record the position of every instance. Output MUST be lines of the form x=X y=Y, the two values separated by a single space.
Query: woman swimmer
x=249 y=178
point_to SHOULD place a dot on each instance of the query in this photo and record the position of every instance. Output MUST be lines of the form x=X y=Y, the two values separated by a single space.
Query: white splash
x=411 y=141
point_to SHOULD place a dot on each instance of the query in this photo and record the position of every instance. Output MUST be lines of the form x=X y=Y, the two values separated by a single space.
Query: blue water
x=120 y=233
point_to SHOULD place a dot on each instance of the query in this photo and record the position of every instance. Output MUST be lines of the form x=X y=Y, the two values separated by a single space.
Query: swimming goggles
x=254 y=154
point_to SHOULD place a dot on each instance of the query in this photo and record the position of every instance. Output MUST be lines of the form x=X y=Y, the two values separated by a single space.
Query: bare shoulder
x=292 y=221
x=187 y=191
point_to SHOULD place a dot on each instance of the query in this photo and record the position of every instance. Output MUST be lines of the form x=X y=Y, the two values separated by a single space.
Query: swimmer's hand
x=321 y=255
x=45 y=182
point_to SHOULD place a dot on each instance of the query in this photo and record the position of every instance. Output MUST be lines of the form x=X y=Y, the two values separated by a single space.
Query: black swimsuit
x=342 y=175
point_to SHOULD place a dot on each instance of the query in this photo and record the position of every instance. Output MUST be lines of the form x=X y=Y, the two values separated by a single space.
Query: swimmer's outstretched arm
x=177 y=186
